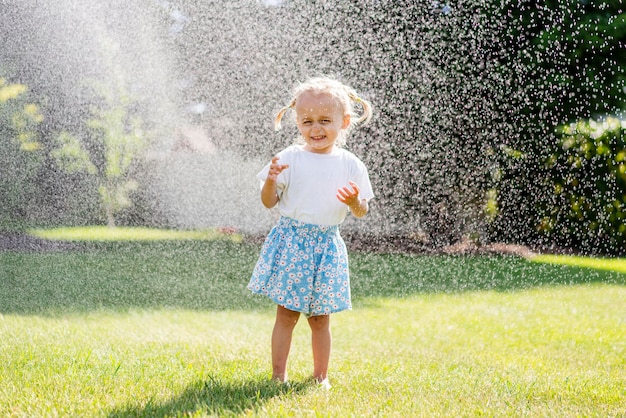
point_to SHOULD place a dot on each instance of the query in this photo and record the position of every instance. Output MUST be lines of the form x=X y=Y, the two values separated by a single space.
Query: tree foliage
x=573 y=57
x=467 y=94
x=20 y=154
x=584 y=198
x=571 y=67
x=114 y=142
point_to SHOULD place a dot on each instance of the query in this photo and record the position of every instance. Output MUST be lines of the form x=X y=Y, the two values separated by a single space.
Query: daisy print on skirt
x=304 y=267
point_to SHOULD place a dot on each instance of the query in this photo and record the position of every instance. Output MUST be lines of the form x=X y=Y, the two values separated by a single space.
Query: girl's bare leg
x=281 y=341
x=321 y=342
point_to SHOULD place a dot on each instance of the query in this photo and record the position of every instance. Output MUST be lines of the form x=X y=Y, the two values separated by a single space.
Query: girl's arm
x=359 y=209
x=269 y=194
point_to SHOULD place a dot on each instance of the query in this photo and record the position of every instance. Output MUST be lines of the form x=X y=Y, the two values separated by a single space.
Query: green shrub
x=20 y=154
x=585 y=202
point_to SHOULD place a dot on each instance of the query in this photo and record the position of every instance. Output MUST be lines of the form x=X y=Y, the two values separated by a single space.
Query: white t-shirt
x=308 y=188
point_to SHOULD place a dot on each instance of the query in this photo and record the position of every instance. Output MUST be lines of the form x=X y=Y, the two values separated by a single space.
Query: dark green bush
x=585 y=201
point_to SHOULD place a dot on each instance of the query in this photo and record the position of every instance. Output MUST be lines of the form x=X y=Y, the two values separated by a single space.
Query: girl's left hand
x=347 y=195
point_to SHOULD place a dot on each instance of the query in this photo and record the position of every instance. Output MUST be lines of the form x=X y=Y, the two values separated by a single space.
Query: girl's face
x=320 y=119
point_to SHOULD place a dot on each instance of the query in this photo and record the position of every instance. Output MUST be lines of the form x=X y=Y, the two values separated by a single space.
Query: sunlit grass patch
x=609 y=264
x=168 y=328
x=104 y=233
x=556 y=351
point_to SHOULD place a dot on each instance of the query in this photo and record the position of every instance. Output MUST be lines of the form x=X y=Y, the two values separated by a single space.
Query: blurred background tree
x=115 y=141
x=471 y=97
x=584 y=203
x=571 y=67
x=20 y=155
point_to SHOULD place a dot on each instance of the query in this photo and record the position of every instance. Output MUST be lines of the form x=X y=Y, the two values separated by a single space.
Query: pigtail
x=367 y=111
x=367 y=108
x=281 y=113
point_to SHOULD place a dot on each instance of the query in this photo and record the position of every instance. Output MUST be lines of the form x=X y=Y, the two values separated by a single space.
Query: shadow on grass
x=125 y=275
x=206 y=275
x=214 y=397
x=402 y=275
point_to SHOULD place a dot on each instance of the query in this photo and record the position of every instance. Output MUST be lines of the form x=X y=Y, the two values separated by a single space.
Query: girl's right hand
x=275 y=169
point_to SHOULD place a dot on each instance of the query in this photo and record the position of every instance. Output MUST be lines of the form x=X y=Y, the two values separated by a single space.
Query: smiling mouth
x=318 y=138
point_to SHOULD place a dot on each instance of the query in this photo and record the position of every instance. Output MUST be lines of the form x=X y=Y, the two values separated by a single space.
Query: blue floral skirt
x=304 y=267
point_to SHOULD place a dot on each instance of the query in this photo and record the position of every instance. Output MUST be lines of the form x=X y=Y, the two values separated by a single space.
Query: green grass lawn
x=167 y=328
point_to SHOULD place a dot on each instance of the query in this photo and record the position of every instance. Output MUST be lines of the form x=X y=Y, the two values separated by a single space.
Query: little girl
x=303 y=265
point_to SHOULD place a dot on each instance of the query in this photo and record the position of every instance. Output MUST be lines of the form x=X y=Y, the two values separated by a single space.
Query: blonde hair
x=346 y=96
